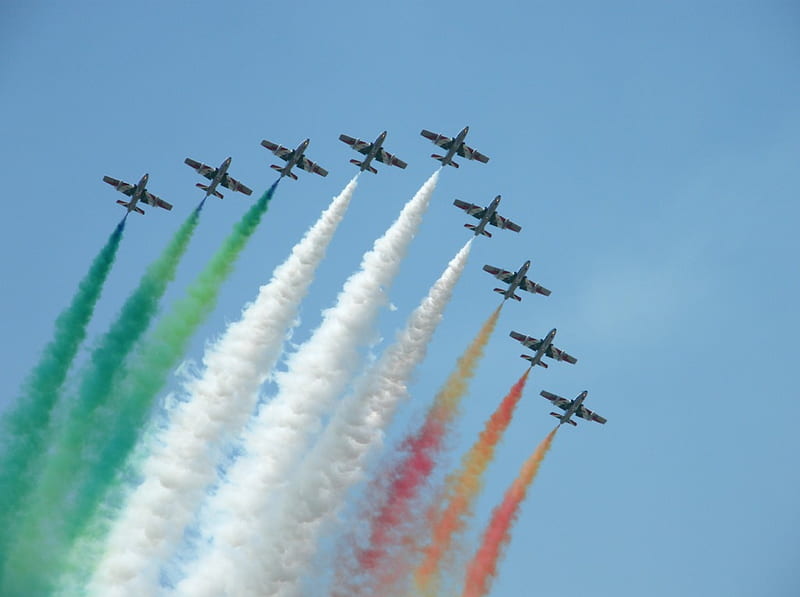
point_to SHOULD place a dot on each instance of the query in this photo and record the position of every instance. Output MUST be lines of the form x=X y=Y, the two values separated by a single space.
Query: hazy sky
x=649 y=152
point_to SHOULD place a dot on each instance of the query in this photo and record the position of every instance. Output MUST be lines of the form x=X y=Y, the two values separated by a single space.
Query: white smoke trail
x=278 y=435
x=183 y=461
x=336 y=463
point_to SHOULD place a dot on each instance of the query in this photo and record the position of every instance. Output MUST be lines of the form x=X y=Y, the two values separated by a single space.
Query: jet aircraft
x=486 y=215
x=293 y=157
x=572 y=407
x=372 y=151
x=515 y=280
x=543 y=348
x=217 y=176
x=137 y=192
x=453 y=147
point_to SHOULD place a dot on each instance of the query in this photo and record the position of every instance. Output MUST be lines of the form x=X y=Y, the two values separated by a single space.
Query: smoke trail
x=278 y=435
x=24 y=427
x=337 y=460
x=483 y=568
x=54 y=520
x=461 y=490
x=394 y=518
x=184 y=457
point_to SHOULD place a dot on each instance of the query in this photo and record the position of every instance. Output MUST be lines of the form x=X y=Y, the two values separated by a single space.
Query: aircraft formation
x=453 y=146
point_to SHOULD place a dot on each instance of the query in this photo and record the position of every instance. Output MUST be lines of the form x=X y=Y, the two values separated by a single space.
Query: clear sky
x=649 y=150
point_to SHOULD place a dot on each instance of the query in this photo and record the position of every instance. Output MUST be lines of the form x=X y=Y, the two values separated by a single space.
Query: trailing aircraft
x=137 y=192
x=486 y=215
x=372 y=151
x=217 y=176
x=572 y=407
x=453 y=146
x=293 y=157
x=543 y=348
x=515 y=280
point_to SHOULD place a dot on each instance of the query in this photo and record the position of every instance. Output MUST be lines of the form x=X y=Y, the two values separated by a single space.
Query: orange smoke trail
x=483 y=568
x=392 y=526
x=462 y=488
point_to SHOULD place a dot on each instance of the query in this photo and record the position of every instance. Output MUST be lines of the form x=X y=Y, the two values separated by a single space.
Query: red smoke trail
x=483 y=567
x=462 y=488
x=389 y=526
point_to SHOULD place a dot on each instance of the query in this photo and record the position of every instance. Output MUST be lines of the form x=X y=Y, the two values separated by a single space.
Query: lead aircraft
x=137 y=192
x=572 y=407
x=293 y=157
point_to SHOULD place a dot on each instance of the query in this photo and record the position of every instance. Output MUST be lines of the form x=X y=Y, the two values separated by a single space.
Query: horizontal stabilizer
x=276 y=167
x=138 y=210
x=483 y=232
x=528 y=357
x=292 y=175
x=499 y=290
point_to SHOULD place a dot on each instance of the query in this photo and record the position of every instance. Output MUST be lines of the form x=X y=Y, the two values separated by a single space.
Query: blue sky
x=649 y=152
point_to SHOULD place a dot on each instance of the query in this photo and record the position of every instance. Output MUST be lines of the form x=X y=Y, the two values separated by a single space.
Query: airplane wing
x=387 y=158
x=476 y=211
x=310 y=166
x=357 y=144
x=555 y=353
x=529 y=341
x=279 y=150
x=585 y=413
x=559 y=401
x=151 y=199
x=471 y=154
x=531 y=286
x=203 y=169
x=440 y=140
x=234 y=185
x=122 y=187
x=501 y=222
x=501 y=274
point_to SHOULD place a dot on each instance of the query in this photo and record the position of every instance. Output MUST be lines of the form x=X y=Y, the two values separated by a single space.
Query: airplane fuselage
x=457 y=143
x=573 y=407
x=547 y=342
x=487 y=217
x=138 y=192
x=297 y=154
x=219 y=177
x=374 y=151
x=518 y=278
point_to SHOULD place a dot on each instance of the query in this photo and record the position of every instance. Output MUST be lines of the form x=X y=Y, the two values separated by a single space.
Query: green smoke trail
x=24 y=427
x=49 y=534
x=54 y=475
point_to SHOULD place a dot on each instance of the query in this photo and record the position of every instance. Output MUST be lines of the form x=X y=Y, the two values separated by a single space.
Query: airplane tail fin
x=127 y=205
x=516 y=297
x=570 y=421
x=483 y=232
x=292 y=175
x=499 y=290
x=436 y=156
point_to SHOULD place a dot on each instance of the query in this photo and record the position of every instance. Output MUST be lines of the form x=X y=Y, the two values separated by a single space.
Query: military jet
x=486 y=215
x=453 y=147
x=293 y=157
x=137 y=193
x=217 y=176
x=543 y=348
x=572 y=407
x=515 y=280
x=372 y=151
